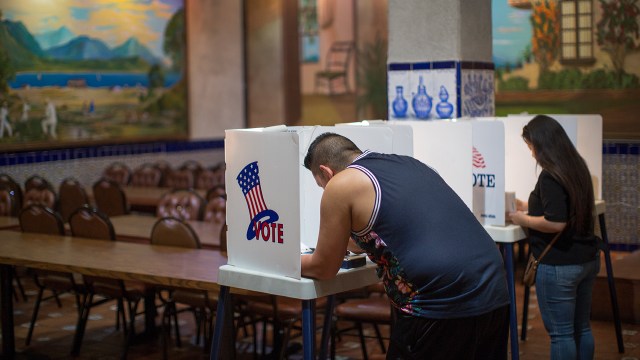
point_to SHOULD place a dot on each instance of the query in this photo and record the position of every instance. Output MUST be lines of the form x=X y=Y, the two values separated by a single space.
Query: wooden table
x=145 y=198
x=9 y=222
x=138 y=227
x=159 y=265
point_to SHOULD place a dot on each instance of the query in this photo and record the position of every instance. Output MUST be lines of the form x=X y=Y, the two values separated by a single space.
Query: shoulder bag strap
x=546 y=249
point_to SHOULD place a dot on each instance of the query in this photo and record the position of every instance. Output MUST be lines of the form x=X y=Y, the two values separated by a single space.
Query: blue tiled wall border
x=449 y=64
x=84 y=152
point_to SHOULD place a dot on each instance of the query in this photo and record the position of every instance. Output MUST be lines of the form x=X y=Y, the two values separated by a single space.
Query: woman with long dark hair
x=561 y=202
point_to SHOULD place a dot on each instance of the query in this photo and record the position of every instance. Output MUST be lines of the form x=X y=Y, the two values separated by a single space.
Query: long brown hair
x=556 y=154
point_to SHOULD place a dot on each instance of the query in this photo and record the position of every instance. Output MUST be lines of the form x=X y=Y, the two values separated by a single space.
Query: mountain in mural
x=81 y=48
x=54 y=38
x=19 y=44
x=132 y=48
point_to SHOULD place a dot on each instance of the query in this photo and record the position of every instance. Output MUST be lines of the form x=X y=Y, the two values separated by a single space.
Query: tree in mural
x=618 y=30
x=545 y=41
x=175 y=39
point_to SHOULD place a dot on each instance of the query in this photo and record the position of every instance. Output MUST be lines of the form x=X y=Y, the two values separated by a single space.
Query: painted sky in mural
x=54 y=23
x=511 y=33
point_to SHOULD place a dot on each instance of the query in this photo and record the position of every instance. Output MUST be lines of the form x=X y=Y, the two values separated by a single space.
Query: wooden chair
x=170 y=231
x=37 y=181
x=194 y=166
x=8 y=207
x=8 y=201
x=164 y=167
x=71 y=196
x=181 y=204
x=207 y=179
x=40 y=219
x=374 y=309
x=216 y=210
x=15 y=188
x=336 y=66
x=216 y=191
x=110 y=198
x=180 y=179
x=117 y=172
x=90 y=223
x=43 y=195
x=147 y=175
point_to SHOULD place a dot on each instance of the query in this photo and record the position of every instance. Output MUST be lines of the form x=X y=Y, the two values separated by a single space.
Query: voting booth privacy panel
x=469 y=155
x=521 y=170
x=273 y=201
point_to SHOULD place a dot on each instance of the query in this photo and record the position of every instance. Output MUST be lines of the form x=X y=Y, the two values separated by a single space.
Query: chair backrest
x=118 y=172
x=36 y=181
x=14 y=187
x=192 y=165
x=42 y=195
x=90 y=223
x=216 y=210
x=217 y=191
x=71 y=196
x=180 y=179
x=206 y=179
x=339 y=55
x=165 y=168
x=110 y=198
x=40 y=219
x=181 y=204
x=170 y=231
x=146 y=175
x=7 y=201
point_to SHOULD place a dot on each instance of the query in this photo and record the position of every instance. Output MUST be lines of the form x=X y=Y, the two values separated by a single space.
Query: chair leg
x=55 y=296
x=19 y=284
x=34 y=316
x=379 y=336
x=363 y=343
x=174 y=312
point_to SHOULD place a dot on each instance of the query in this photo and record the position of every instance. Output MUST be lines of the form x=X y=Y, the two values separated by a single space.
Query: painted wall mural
x=569 y=56
x=91 y=71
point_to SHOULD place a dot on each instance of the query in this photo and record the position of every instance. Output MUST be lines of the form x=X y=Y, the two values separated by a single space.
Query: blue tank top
x=435 y=259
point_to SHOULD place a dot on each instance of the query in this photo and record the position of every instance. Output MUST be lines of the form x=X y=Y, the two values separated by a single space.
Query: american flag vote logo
x=478 y=160
x=259 y=214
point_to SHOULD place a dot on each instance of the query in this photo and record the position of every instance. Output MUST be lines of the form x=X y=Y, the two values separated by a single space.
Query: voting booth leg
x=328 y=318
x=513 y=315
x=525 y=306
x=6 y=290
x=308 y=328
x=224 y=328
x=612 y=285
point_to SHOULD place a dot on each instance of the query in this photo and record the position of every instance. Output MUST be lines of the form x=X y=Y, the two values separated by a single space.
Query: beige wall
x=215 y=67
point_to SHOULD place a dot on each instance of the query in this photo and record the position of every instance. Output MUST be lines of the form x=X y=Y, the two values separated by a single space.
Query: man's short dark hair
x=332 y=150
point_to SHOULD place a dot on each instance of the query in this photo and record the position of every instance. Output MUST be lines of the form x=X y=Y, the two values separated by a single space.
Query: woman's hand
x=522 y=205
x=519 y=218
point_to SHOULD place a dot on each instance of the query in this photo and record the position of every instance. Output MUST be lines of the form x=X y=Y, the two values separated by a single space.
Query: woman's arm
x=538 y=223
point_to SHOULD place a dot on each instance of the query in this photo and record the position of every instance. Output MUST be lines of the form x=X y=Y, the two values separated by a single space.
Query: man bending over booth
x=441 y=270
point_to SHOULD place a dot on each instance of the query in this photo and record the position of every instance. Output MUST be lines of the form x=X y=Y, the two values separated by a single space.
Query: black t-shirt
x=550 y=199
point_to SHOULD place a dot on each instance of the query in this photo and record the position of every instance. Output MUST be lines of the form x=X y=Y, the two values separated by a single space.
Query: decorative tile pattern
x=440 y=90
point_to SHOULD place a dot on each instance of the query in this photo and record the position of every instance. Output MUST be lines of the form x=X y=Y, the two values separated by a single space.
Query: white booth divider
x=273 y=202
x=521 y=171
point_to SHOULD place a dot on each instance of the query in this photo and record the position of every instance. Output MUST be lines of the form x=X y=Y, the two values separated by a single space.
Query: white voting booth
x=521 y=171
x=273 y=201
x=469 y=155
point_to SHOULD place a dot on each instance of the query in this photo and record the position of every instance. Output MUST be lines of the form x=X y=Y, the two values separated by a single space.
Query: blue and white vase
x=421 y=102
x=444 y=108
x=399 y=104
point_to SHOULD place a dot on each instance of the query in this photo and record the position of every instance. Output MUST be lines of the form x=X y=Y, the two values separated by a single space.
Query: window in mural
x=577 y=32
x=91 y=71
x=309 y=36
x=569 y=57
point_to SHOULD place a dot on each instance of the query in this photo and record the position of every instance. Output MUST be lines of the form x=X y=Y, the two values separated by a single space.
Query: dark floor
x=55 y=328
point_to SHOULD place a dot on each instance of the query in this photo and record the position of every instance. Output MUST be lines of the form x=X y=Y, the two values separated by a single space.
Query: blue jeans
x=564 y=298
